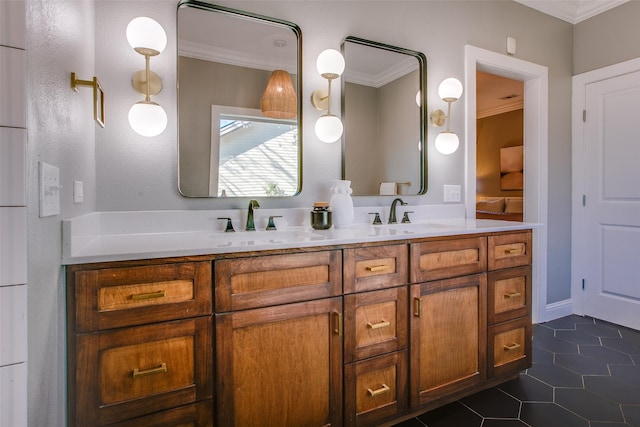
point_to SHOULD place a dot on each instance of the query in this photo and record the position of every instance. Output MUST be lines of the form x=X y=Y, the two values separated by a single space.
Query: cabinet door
x=280 y=366
x=509 y=347
x=448 y=336
x=509 y=294
x=196 y=415
x=509 y=250
x=376 y=267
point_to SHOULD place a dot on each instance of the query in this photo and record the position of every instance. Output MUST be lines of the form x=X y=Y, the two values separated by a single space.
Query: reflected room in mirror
x=384 y=115
x=239 y=105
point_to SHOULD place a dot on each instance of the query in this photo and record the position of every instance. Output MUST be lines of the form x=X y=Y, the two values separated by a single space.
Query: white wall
x=123 y=171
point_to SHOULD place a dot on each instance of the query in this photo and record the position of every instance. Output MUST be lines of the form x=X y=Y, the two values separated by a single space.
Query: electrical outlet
x=78 y=192
x=49 y=190
x=452 y=193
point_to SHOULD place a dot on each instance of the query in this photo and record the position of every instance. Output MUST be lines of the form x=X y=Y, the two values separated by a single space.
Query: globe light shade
x=330 y=64
x=147 y=118
x=146 y=34
x=329 y=128
x=447 y=142
x=450 y=89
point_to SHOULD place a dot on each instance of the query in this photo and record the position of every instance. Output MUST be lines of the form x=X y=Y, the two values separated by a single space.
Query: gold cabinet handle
x=159 y=370
x=338 y=324
x=512 y=346
x=512 y=294
x=384 y=389
x=417 y=307
x=381 y=324
x=375 y=268
x=148 y=295
x=512 y=251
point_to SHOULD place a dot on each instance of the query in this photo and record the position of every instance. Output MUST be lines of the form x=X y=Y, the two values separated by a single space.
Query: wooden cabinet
x=140 y=343
x=448 y=337
x=279 y=365
x=355 y=335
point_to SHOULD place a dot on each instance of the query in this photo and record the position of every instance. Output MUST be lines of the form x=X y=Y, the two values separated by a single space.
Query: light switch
x=452 y=193
x=49 y=190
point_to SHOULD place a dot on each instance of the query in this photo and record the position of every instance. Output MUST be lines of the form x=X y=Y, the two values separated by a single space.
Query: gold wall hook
x=98 y=96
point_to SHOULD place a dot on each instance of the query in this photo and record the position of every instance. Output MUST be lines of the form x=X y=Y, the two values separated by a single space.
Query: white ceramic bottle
x=341 y=203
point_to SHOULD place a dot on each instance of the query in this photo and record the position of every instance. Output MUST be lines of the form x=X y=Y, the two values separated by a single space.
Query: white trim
x=536 y=108
x=558 y=309
x=578 y=174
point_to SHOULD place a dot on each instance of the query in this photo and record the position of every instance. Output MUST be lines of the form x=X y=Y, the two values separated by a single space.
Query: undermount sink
x=262 y=237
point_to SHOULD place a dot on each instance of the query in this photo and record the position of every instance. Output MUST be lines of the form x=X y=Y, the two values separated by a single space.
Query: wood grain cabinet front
x=509 y=345
x=506 y=250
x=261 y=281
x=280 y=366
x=509 y=294
x=375 y=267
x=376 y=389
x=441 y=259
x=196 y=415
x=129 y=372
x=107 y=298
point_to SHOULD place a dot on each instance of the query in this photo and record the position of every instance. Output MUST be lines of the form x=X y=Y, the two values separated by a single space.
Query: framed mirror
x=384 y=116
x=239 y=103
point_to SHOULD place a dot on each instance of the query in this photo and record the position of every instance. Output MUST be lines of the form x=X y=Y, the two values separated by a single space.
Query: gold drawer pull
x=337 y=330
x=159 y=370
x=512 y=346
x=512 y=295
x=512 y=251
x=376 y=268
x=417 y=307
x=149 y=295
x=384 y=389
x=381 y=324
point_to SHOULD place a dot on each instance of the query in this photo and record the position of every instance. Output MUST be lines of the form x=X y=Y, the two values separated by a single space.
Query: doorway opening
x=499 y=147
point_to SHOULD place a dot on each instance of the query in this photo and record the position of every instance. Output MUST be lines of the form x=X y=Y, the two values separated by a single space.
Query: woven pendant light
x=279 y=100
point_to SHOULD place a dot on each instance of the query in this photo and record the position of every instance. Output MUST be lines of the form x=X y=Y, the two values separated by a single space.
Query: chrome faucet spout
x=253 y=204
x=392 y=212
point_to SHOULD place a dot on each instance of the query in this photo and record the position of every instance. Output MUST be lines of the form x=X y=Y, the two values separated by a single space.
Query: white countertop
x=92 y=238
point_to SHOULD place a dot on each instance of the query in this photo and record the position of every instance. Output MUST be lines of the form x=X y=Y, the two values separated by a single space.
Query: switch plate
x=452 y=193
x=49 y=190
x=511 y=46
x=78 y=192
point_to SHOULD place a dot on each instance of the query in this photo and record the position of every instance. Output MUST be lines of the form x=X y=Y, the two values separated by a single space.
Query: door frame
x=536 y=106
x=578 y=161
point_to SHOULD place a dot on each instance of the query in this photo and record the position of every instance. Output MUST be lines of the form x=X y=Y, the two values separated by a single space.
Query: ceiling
x=572 y=11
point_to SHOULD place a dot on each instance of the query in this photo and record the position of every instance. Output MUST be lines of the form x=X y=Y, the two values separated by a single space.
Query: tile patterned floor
x=585 y=373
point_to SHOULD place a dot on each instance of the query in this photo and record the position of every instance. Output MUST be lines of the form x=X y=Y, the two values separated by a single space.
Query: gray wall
x=123 y=171
x=607 y=39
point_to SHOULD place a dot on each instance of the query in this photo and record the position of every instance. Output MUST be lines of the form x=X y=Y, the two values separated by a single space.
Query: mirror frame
x=255 y=18
x=422 y=66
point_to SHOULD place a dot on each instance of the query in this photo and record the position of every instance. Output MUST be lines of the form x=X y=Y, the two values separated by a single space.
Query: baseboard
x=556 y=310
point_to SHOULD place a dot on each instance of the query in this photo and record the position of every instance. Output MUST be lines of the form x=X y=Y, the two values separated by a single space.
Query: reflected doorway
x=499 y=147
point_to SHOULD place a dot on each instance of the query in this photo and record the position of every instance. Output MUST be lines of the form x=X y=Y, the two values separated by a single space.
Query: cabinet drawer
x=509 y=346
x=375 y=323
x=447 y=258
x=262 y=281
x=509 y=294
x=509 y=250
x=375 y=389
x=115 y=297
x=377 y=267
x=135 y=371
x=197 y=415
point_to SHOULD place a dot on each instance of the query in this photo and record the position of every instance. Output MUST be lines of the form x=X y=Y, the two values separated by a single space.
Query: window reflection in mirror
x=384 y=113
x=257 y=156
x=226 y=58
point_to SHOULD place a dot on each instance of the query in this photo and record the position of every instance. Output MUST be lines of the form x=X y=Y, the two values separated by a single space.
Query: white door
x=611 y=230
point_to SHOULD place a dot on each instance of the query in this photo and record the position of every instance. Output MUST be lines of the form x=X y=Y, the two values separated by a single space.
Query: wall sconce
x=148 y=38
x=330 y=65
x=449 y=91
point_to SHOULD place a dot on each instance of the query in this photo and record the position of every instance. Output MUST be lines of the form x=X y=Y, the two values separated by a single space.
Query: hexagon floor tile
x=585 y=373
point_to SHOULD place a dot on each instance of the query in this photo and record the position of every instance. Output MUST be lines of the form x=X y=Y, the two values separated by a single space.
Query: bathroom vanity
x=364 y=326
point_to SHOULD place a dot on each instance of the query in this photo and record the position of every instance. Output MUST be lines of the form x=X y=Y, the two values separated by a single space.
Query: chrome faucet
x=253 y=204
x=392 y=212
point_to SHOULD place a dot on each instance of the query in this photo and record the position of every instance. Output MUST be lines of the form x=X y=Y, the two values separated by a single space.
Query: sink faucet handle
x=229 y=227
x=376 y=219
x=405 y=217
x=272 y=225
